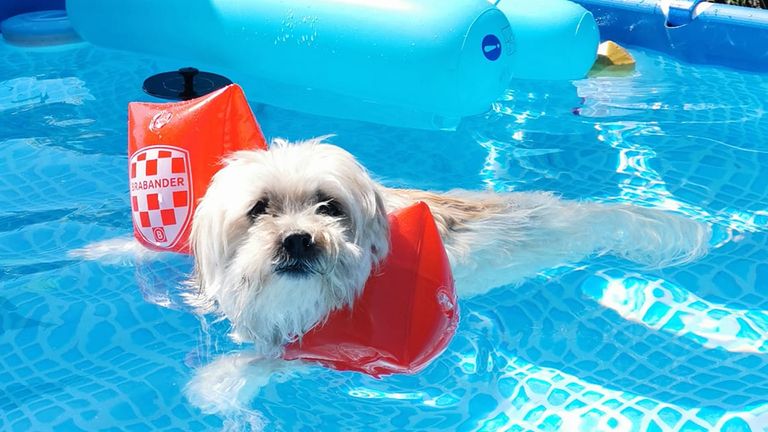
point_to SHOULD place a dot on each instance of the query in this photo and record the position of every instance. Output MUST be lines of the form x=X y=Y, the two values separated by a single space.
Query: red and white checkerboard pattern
x=161 y=188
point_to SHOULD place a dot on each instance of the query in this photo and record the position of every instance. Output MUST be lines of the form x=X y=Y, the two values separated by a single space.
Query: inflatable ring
x=37 y=29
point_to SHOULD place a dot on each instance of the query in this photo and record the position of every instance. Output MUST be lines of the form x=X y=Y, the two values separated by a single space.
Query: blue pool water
x=598 y=345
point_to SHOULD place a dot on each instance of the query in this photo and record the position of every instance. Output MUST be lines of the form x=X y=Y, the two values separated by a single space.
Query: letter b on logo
x=159 y=234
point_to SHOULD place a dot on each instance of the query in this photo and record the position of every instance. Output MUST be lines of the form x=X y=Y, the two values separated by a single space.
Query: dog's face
x=285 y=236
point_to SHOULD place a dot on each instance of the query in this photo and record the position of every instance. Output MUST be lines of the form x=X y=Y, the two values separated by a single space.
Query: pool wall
x=694 y=31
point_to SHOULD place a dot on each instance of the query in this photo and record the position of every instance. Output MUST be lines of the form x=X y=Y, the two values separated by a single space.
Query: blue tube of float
x=11 y=8
x=413 y=63
x=38 y=29
x=554 y=39
x=422 y=63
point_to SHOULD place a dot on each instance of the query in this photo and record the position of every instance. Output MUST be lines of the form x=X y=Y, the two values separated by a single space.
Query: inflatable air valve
x=406 y=315
x=188 y=75
x=165 y=181
x=184 y=84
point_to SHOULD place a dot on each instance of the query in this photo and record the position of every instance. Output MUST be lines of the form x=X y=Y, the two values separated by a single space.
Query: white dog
x=285 y=236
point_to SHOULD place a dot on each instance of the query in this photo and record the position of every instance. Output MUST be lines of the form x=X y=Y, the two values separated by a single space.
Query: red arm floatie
x=165 y=181
x=406 y=315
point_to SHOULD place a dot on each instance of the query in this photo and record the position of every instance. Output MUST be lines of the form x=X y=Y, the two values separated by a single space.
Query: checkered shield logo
x=161 y=194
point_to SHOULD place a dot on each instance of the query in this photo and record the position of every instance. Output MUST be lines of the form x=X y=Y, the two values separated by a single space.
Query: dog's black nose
x=299 y=246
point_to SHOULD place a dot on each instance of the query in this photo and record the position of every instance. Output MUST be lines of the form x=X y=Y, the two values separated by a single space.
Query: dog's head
x=285 y=236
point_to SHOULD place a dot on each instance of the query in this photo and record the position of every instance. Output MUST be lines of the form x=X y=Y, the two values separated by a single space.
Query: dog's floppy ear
x=206 y=244
x=378 y=226
x=214 y=229
x=214 y=225
x=372 y=222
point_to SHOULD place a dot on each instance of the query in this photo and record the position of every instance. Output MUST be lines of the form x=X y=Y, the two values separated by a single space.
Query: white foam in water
x=27 y=92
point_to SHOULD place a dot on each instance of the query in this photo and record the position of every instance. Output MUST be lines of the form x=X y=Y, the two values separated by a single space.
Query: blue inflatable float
x=38 y=29
x=415 y=63
x=9 y=8
x=554 y=39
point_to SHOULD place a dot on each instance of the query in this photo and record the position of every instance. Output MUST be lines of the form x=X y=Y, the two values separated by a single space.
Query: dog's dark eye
x=258 y=209
x=330 y=207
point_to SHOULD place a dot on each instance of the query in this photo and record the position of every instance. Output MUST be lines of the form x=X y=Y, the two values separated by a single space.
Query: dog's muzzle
x=298 y=255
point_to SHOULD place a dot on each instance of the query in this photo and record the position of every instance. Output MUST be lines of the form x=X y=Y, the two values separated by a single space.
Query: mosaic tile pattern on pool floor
x=600 y=345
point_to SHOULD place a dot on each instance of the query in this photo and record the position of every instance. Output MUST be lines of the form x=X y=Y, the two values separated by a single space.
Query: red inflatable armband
x=165 y=182
x=406 y=315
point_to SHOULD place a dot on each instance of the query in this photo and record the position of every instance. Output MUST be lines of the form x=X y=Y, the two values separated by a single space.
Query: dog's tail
x=537 y=231
x=647 y=236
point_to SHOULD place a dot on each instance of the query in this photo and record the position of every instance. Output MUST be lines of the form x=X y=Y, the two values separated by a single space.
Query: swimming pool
x=600 y=345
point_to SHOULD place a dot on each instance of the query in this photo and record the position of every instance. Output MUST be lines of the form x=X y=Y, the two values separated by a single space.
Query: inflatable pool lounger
x=413 y=63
